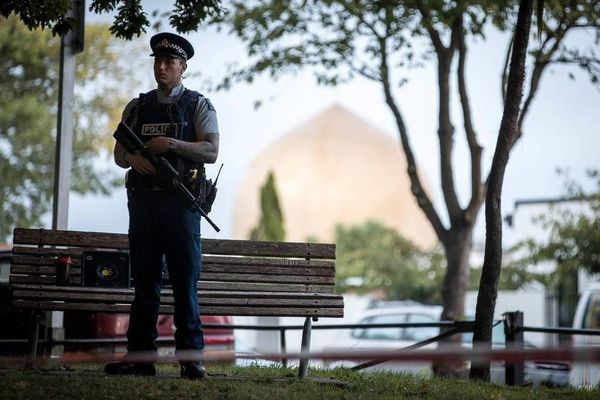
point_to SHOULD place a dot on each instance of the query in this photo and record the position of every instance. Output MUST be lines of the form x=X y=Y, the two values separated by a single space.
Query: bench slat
x=74 y=252
x=209 y=246
x=207 y=310
x=168 y=300
x=240 y=286
x=268 y=249
x=41 y=269
x=41 y=260
x=70 y=238
x=205 y=276
x=210 y=259
x=268 y=270
x=41 y=279
x=45 y=256
x=308 y=279
x=219 y=293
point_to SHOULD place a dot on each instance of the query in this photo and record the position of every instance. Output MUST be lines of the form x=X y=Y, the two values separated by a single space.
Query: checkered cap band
x=166 y=46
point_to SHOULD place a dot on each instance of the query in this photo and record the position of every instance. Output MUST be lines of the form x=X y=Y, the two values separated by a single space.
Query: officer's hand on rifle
x=159 y=145
x=140 y=164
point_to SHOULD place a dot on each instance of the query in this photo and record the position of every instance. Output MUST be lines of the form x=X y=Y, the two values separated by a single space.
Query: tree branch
x=438 y=45
x=549 y=36
x=446 y=133
x=584 y=26
x=445 y=130
x=588 y=60
x=475 y=149
x=356 y=12
x=541 y=62
x=505 y=68
x=421 y=196
x=364 y=72
x=534 y=85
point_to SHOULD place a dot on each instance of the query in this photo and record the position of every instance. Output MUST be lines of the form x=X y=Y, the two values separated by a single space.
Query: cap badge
x=164 y=43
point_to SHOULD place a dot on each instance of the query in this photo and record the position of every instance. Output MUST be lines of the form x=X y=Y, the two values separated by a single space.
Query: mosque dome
x=333 y=169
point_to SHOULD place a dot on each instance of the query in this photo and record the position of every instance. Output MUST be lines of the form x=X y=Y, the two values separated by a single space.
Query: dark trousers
x=160 y=224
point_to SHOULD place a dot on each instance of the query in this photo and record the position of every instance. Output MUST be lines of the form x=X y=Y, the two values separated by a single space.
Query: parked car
x=389 y=338
x=587 y=316
x=15 y=323
x=89 y=325
x=536 y=373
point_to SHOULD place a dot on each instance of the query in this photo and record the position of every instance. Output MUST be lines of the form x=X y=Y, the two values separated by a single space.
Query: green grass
x=226 y=382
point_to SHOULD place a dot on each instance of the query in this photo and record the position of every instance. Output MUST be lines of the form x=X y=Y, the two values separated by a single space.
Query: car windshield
x=381 y=333
x=420 y=333
x=415 y=334
x=592 y=313
x=497 y=335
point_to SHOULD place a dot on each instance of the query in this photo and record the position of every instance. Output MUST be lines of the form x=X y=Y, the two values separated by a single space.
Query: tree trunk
x=509 y=130
x=456 y=281
x=457 y=246
x=567 y=296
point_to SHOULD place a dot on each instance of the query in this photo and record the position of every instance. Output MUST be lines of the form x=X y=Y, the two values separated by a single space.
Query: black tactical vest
x=174 y=119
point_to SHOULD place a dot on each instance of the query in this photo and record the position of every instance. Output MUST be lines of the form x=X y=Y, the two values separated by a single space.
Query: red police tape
x=510 y=355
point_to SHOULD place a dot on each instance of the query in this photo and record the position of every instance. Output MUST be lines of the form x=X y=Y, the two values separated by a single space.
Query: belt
x=139 y=182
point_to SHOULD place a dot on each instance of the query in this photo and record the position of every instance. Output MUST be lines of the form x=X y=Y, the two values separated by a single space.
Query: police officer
x=180 y=125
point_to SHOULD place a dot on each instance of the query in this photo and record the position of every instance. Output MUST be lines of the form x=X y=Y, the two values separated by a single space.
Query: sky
x=561 y=130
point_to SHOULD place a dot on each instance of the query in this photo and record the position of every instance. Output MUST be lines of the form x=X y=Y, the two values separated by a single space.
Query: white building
x=539 y=306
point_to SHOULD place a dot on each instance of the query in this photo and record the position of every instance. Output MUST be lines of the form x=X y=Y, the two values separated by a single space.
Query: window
x=381 y=333
x=418 y=334
x=592 y=313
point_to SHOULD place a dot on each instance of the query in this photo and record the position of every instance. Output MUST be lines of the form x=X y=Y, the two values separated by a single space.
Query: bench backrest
x=239 y=277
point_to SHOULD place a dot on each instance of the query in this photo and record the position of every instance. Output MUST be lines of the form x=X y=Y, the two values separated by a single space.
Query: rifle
x=125 y=136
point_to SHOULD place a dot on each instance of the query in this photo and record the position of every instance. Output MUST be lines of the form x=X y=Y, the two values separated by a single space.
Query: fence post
x=513 y=331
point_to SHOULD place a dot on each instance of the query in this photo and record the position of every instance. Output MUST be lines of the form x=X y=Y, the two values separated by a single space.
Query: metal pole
x=70 y=45
x=513 y=330
x=64 y=131
x=283 y=346
x=303 y=369
x=34 y=331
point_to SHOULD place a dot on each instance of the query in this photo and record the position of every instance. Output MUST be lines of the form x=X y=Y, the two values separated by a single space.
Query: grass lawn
x=83 y=382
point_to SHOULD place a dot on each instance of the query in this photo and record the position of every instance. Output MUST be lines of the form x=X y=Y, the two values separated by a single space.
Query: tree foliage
x=573 y=244
x=384 y=261
x=270 y=225
x=29 y=74
x=513 y=276
x=131 y=19
x=574 y=233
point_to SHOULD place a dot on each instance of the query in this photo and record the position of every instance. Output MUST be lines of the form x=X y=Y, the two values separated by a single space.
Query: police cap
x=171 y=45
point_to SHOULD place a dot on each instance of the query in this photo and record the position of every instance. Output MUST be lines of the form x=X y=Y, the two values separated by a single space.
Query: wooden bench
x=238 y=278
